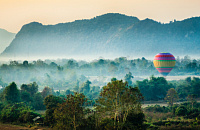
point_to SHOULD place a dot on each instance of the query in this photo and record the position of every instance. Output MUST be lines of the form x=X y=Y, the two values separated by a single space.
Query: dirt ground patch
x=12 y=127
x=16 y=127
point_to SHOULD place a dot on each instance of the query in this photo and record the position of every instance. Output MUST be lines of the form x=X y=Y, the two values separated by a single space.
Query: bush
x=17 y=112
x=181 y=111
x=134 y=121
x=107 y=123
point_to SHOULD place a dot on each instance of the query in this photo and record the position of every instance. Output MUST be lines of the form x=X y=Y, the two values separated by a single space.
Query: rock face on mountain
x=5 y=39
x=108 y=35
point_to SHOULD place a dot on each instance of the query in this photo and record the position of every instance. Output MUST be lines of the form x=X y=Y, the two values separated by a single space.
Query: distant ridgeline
x=107 y=35
x=5 y=39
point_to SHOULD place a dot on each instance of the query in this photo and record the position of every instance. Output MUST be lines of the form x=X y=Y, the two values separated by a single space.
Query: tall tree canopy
x=117 y=99
x=11 y=93
x=69 y=114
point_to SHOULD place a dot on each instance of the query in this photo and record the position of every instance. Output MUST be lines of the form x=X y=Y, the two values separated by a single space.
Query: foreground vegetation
x=117 y=106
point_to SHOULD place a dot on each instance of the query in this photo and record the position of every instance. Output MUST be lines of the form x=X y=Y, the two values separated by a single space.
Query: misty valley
x=100 y=94
x=63 y=74
x=53 y=83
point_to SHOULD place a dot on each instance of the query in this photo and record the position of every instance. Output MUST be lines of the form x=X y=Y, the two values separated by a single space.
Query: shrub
x=181 y=111
x=17 y=112
x=134 y=121
x=107 y=123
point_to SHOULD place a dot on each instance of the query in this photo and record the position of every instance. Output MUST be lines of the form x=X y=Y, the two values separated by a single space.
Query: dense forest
x=101 y=94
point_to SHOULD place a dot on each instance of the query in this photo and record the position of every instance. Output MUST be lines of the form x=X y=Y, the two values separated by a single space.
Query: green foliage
x=26 y=97
x=113 y=79
x=2 y=105
x=11 y=93
x=71 y=64
x=171 y=96
x=116 y=100
x=38 y=101
x=51 y=102
x=31 y=88
x=89 y=123
x=153 y=89
x=46 y=91
x=107 y=124
x=17 y=112
x=134 y=121
x=128 y=78
x=69 y=114
x=190 y=86
x=85 y=87
x=181 y=111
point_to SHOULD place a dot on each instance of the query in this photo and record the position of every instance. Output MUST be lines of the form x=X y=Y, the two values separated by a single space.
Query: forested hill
x=107 y=35
x=5 y=39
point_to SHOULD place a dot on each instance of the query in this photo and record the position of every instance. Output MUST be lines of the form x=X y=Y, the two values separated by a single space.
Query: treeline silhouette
x=66 y=73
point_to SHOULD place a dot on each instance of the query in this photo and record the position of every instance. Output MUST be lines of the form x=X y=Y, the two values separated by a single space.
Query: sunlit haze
x=15 y=13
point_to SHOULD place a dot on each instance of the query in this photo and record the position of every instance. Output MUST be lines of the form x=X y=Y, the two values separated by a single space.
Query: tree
x=38 y=101
x=113 y=79
x=117 y=99
x=71 y=64
x=31 y=88
x=128 y=78
x=53 y=65
x=46 y=91
x=59 y=68
x=171 y=96
x=51 y=102
x=192 y=99
x=112 y=68
x=25 y=63
x=25 y=96
x=86 y=87
x=11 y=93
x=154 y=89
x=188 y=79
x=195 y=83
x=69 y=115
x=67 y=92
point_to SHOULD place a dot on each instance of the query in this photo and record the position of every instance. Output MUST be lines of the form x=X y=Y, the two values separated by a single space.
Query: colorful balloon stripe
x=164 y=63
x=164 y=58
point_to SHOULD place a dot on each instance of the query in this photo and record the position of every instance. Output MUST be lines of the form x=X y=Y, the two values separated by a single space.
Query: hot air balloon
x=164 y=63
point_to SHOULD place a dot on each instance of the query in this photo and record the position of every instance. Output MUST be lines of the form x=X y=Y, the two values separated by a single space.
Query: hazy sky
x=15 y=13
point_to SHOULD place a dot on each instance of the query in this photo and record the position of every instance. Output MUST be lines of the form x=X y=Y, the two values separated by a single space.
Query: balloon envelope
x=164 y=63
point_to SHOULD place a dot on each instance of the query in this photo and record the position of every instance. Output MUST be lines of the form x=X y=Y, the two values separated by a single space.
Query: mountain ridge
x=110 y=34
x=5 y=38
